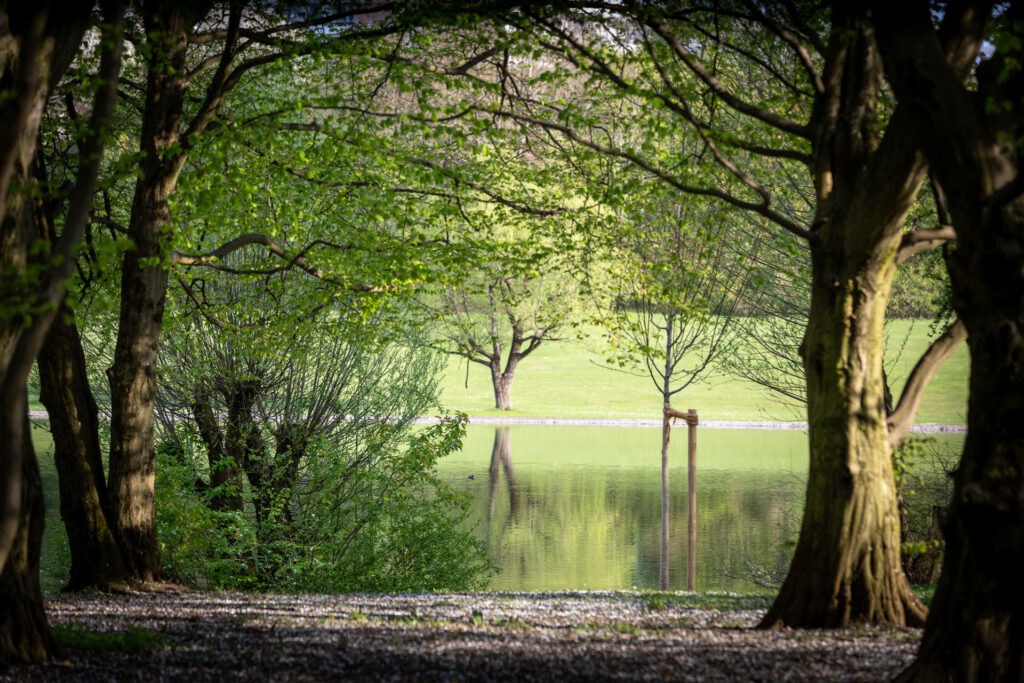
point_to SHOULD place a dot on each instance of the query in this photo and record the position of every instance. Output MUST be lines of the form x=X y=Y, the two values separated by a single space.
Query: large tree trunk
x=143 y=298
x=74 y=423
x=976 y=628
x=846 y=567
x=24 y=633
x=37 y=49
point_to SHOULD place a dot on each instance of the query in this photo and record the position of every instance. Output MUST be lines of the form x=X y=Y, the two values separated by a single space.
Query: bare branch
x=922 y=240
x=913 y=391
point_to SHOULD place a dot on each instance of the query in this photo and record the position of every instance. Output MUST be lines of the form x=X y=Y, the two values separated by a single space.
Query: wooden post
x=691 y=489
x=666 y=430
x=691 y=476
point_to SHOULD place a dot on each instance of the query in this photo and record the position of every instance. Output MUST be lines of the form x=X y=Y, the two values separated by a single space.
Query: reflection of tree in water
x=501 y=458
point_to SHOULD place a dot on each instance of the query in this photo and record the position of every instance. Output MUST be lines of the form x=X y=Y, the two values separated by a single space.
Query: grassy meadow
x=572 y=379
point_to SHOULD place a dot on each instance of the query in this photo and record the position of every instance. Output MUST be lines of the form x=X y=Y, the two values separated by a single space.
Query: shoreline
x=767 y=425
x=512 y=421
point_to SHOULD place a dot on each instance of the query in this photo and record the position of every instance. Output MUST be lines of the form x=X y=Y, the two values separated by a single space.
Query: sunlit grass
x=573 y=379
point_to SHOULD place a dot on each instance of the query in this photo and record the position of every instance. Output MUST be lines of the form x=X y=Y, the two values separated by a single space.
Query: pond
x=574 y=508
x=564 y=508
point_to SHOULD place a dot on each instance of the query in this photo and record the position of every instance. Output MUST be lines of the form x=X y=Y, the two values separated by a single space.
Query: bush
x=388 y=526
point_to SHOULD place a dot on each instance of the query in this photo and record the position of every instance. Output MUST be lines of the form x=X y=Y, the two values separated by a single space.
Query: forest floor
x=198 y=636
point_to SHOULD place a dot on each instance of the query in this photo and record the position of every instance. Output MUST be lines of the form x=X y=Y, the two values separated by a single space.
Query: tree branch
x=761 y=208
x=763 y=115
x=917 y=241
x=913 y=391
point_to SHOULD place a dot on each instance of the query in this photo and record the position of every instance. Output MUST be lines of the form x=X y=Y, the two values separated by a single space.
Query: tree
x=307 y=421
x=972 y=137
x=525 y=305
x=193 y=58
x=38 y=48
x=770 y=91
x=678 y=287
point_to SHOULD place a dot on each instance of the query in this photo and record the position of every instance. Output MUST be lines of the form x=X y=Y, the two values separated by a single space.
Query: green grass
x=572 y=379
x=925 y=592
x=132 y=640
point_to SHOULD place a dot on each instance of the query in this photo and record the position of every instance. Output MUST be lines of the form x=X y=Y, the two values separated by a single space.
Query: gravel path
x=481 y=636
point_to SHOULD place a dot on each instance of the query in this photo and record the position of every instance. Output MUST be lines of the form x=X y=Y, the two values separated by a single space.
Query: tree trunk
x=666 y=433
x=975 y=631
x=133 y=393
x=143 y=298
x=24 y=633
x=502 y=382
x=36 y=52
x=74 y=423
x=846 y=568
x=225 y=472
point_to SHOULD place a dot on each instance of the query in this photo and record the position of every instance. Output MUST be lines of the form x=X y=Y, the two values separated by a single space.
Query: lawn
x=572 y=379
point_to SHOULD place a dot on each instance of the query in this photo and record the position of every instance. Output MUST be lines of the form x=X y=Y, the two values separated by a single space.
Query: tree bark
x=143 y=296
x=74 y=423
x=975 y=631
x=24 y=633
x=502 y=382
x=846 y=567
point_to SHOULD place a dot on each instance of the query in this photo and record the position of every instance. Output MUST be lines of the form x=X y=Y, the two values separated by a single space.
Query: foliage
x=395 y=529
x=922 y=468
x=678 y=286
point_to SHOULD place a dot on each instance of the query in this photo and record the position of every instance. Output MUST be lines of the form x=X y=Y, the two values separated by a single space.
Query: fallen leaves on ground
x=199 y=636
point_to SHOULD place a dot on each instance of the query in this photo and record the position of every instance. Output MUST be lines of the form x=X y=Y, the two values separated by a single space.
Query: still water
x=580 y=507
x=573 y=508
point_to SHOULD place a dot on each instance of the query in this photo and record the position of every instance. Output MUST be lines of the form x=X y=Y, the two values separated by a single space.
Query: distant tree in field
x=504 y=312
x=677 y=286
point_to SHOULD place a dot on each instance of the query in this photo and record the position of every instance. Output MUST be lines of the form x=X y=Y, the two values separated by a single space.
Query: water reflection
x=501 y=459
x=580 y=507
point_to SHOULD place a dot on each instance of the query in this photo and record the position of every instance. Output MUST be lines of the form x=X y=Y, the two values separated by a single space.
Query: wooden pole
x=666 y=429
x=691 y=490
